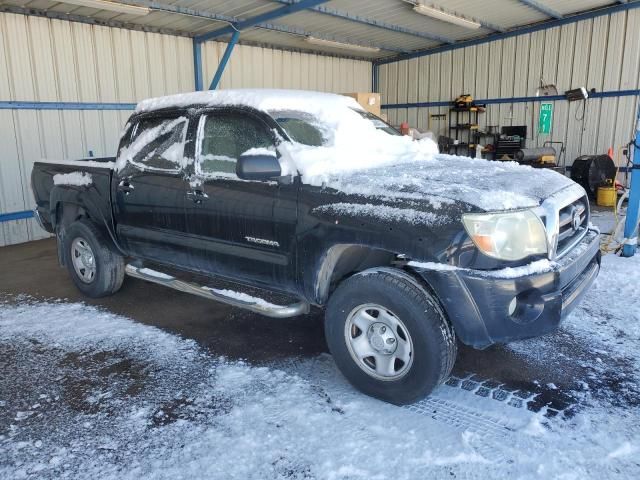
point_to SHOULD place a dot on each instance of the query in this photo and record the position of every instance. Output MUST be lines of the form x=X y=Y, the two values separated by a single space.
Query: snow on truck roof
x=261 y=99
x=358 y=158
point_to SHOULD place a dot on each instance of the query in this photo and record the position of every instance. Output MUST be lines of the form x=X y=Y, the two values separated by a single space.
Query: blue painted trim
x=264 y=17
x=223 y=61
x=633 y=207
x=495 y=101
x=8 y=217
x=550 y=12
x=516 y=32
x=19 y=105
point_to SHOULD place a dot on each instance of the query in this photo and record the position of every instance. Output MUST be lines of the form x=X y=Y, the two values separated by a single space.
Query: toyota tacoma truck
x=246 y=196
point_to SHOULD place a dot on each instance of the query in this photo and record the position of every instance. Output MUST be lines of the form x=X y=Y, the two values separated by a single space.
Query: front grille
x=573 y=222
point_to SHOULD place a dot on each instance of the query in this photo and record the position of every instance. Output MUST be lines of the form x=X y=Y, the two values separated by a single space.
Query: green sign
x=546 y=118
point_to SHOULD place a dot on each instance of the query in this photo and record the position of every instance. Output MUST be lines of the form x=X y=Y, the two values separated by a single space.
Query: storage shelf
x=464 y=127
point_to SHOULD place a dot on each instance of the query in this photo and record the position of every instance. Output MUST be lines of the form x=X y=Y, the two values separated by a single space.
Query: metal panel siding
x=494 y=81
x=601 y=53
x=258 y=67
x=421 y=87
x=563 y=79
x=53 y=60
x=611 y=81
x=521 y=63
x=507 y=76
x=630 y=72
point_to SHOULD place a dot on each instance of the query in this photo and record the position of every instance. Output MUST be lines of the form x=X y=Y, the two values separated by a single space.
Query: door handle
x=126 y=187
x=198 y=196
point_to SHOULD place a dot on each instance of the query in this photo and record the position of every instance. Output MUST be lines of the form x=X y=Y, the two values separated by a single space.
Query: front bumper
x=477 y=302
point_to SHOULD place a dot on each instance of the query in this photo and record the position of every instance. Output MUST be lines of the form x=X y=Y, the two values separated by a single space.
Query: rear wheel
x=94 y=267
x=389 y=336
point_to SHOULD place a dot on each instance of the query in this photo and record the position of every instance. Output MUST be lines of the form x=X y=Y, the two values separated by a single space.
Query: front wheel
x=95 y=268
x=389 y=336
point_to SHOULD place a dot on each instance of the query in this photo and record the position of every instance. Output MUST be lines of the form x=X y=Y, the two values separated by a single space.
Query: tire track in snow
x=490 y=423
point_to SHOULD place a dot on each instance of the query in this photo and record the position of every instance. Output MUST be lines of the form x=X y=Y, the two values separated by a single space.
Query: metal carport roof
x=389 y=28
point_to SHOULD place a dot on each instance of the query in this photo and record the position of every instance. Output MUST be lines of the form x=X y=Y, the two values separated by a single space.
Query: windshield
x=306 y=129
x=378 y=122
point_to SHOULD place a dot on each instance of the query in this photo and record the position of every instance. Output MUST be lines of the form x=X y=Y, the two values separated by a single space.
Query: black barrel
x=593 y=171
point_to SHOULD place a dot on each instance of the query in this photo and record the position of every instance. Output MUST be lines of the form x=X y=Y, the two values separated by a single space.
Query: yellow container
x=606 y=197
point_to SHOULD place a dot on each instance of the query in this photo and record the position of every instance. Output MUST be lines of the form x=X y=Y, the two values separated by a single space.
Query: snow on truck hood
x=487 y=185
x=358 y=158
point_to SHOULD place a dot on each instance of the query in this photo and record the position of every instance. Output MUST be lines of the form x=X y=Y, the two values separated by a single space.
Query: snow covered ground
x=88 y=394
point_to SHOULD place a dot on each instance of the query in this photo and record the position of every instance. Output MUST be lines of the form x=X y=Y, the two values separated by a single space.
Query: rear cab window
x=156 y=144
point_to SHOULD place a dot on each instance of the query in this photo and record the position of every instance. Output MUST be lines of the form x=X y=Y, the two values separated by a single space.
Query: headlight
x=507 y=236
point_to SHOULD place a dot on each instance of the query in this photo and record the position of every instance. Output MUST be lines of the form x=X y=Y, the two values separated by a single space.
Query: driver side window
x=224 y=138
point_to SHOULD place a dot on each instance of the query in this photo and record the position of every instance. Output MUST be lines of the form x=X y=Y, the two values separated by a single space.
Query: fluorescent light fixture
x=444 y=16
x=108 y=5
x=345 y=46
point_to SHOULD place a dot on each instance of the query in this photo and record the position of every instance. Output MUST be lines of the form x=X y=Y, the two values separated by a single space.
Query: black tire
x=109 y=265
x=434 y=343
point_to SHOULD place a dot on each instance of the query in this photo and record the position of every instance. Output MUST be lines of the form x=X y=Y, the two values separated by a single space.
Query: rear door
x=149 y=189
x=240 y=229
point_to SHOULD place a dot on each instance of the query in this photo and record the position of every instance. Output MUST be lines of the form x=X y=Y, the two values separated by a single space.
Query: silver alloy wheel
x=84 y=262
x=379 y=342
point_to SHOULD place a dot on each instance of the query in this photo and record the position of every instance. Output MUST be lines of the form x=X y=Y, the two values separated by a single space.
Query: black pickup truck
x=307 y=198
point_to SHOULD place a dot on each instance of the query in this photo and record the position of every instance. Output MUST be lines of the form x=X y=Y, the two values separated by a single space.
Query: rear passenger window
x=224 y=138
x=157 y=144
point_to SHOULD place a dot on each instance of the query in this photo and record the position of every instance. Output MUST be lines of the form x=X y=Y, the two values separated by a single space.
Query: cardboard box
x=369 y=101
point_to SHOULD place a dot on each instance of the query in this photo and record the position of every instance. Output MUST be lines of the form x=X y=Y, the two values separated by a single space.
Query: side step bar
x=235 y=299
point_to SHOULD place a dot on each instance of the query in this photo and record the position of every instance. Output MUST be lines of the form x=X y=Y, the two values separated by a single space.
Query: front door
x=240 y=229
x=149 y=190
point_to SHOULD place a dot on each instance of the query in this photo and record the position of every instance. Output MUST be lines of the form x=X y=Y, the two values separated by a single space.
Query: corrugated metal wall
x=602 y=53
x=52 y=60
x=266 y=68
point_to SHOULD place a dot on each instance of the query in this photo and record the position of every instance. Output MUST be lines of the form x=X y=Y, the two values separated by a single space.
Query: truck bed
x=85 y=182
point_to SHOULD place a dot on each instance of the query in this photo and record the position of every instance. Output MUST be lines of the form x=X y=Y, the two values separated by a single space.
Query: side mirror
x=258 y=167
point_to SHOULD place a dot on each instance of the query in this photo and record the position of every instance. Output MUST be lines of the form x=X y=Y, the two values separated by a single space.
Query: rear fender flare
x=61 y=196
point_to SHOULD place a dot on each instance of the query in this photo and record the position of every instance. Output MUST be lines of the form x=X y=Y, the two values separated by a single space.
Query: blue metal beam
x=19 y=105
x=516 y=32
x=550 y=12
x=496 y=101
x=224 y=60
x=197 y=64
x=8 y=217
x=633 y=208
x=264 y=17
